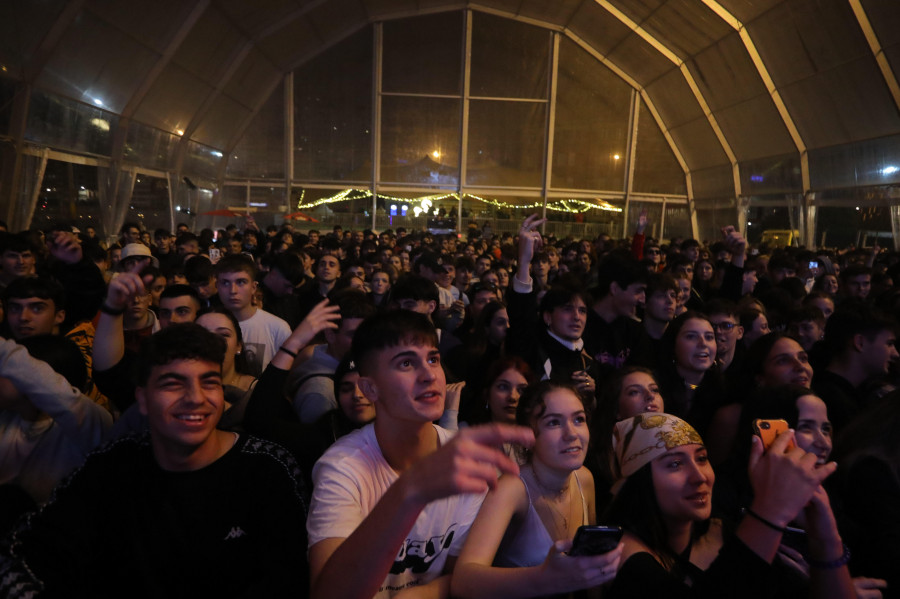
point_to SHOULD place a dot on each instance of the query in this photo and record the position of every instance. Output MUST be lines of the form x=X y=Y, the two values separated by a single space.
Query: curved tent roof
x=805 y=88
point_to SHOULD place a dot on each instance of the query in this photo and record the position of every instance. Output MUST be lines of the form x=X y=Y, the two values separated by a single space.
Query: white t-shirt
x=263 y=334
x=352 y=477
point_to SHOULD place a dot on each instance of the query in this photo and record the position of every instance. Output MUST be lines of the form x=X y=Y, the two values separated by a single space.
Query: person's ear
x=59 y=317
x=432 y=305
x=614 y=288
x=368 y=388
x=548 y=318
x=140 y=394
x=740 y=331
x=859 y=342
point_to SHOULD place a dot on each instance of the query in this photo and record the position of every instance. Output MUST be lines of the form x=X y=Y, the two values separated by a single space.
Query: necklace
x=561 y=532
x=232 y=381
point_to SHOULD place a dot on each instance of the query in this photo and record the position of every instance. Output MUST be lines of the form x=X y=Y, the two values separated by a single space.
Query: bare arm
x=109 y=340
x=468 y=464
x=529 y=242
x=825 y=545
x=783 y=483
x=321 y=317
x=475 y=577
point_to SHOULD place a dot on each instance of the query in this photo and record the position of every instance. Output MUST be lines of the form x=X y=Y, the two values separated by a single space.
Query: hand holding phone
x=768 y=431
x=595 y=540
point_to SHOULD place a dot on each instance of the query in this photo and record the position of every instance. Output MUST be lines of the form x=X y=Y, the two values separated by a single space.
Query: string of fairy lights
x=425 y=204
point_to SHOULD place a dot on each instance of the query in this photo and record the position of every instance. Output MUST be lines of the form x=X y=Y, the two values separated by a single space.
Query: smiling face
x=353 y=403
x=814 y=430
x=183 y=401
x=561 y=433
x=695 y=346
x=504 y=394
x=787 y=363
x=406 y=383
x=639 y=394
x=683 y=480
x=626 y=301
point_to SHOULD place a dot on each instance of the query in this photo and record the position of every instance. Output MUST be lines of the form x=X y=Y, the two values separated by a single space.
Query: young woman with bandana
x=672 y=546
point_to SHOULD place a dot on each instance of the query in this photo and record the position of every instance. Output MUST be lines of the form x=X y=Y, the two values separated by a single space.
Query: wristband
x=833 y=564
x=292 y=354
x=111 y=311
x=768 y=523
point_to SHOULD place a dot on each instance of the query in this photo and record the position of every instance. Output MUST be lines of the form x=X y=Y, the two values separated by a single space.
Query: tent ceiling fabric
x=206 y=67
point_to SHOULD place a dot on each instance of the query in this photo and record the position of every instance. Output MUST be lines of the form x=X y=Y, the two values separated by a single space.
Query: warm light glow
x=100 y=124
x=179 y=131
x=615 y=156
x=436 y=154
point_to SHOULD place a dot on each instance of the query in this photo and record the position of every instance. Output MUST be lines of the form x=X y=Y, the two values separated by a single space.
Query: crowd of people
x=360 y=414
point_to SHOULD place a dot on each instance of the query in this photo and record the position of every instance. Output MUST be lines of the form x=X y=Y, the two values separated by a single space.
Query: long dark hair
x=483 y=411
x=636 y=509
x=240 y=363
x=532 y=405
x=605 y=419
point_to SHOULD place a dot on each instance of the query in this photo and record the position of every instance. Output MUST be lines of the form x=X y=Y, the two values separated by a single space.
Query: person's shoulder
x=636 y=548
x=358 y=445
x=269 y=317
x=266 y=454
x=125 y=457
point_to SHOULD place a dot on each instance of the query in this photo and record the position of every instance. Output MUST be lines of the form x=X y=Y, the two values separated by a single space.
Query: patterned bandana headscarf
x=638 y=441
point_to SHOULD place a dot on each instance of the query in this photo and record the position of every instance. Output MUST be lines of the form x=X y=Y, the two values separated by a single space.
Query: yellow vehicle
x=779 y=238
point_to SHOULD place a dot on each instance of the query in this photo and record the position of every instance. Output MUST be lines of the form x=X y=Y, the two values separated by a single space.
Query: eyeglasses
x=723 y=326
x=652 y=252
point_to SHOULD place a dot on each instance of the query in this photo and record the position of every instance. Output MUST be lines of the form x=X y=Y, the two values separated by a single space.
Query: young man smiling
x=392 y=502
x=158 y=511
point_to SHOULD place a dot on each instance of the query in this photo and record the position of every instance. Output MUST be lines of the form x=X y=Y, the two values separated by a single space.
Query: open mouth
x=429 y=397
x=192 y=420
x=701 y=498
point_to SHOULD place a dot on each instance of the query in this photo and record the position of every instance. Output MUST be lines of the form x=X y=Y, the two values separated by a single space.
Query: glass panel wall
x=149 y=205
x=506 y=143
x=423 y=55
x=654 y=218
x=509 y=59
x=420 y=140
x=68 y=194
x=333 y=113
x=69 y=125
x=712 y=215
x=260 y=152
x=656 y=170
x=678 y=222
x=591 y=123
x=771 y=175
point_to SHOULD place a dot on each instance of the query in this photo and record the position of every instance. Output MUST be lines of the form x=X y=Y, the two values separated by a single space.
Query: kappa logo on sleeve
x=236 y=532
